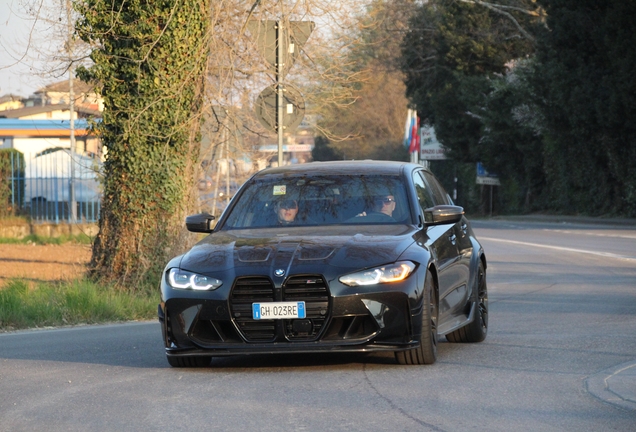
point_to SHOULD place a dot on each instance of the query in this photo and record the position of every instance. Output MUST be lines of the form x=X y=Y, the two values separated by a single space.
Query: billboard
x=430 y=148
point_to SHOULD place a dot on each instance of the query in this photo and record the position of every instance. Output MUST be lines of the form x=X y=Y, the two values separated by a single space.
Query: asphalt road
x=562 y=314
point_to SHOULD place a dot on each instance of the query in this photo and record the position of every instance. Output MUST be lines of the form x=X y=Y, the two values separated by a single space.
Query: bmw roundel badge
x=279 y=272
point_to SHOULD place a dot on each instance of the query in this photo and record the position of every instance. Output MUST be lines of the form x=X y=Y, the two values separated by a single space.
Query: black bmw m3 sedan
x=348 y=256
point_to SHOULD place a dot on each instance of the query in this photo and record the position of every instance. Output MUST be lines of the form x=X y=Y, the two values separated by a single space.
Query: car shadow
x=261 y=361
x=139 y=345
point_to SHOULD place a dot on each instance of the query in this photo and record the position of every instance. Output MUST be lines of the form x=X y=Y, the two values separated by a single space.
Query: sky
x=20 y=71
x=18 y=62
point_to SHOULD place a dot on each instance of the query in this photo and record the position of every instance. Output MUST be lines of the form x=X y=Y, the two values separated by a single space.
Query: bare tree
x=50 y=48
x=369 y=122
x=327 y=72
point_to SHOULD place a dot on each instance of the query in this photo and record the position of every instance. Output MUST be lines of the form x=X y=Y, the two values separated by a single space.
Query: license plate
x=278 y=310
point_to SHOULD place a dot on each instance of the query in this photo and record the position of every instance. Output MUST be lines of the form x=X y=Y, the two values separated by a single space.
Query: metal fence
x=45 y=185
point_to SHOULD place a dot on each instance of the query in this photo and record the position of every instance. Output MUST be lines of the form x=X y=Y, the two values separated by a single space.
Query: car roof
x=340 y=167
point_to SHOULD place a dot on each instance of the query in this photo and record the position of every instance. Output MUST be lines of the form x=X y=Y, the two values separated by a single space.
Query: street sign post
x=280 y=43
x=486 y=178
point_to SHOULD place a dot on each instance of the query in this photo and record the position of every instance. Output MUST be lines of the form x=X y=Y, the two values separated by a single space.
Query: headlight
x=386 y=274
x=182 y=279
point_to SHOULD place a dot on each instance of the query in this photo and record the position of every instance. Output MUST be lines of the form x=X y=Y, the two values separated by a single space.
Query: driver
x=384 y=204
x=286 y=210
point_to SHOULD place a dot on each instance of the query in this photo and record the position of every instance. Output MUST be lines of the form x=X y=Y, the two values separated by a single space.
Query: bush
x=11 y=182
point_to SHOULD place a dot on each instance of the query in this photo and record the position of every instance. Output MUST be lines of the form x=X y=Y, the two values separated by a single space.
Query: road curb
x=615 y=386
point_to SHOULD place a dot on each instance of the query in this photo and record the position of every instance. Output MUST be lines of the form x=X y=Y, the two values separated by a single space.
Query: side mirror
x=201 y=222
x=443 y=214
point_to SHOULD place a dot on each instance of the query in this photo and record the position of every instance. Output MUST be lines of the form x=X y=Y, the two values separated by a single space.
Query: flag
x=408 y=128
x=414 y=144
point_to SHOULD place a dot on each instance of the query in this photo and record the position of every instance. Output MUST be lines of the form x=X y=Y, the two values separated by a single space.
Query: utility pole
x=280 y=66
x=71 y=103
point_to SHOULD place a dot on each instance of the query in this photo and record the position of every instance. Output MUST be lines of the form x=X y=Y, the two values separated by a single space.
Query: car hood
x=298 y=249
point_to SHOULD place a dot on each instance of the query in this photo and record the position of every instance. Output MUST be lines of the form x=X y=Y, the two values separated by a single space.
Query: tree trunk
x=150 y=66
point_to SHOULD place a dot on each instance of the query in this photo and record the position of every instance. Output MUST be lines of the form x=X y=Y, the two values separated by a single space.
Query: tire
x=189 y=361
x=426 y=352
x=477 y=330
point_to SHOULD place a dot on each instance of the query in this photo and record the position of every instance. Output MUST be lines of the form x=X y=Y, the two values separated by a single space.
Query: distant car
x=208 y=185
x=377 y=258
x=204 y=184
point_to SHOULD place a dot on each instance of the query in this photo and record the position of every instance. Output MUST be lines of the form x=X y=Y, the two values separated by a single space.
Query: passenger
x=382 y=204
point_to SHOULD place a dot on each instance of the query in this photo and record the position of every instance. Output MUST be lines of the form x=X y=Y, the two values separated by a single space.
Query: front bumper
x=359 y=322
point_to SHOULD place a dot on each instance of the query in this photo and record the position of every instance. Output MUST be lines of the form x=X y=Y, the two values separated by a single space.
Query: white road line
x=566 y=249
x=630 y=237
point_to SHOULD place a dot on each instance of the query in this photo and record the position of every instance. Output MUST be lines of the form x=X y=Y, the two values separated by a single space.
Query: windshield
x=320 y=200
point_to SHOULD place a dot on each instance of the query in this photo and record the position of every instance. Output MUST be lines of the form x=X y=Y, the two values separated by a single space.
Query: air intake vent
x=313 y=291
x=245 y=292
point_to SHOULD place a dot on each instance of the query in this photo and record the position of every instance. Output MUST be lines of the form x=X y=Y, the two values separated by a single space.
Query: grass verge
x=23 y=305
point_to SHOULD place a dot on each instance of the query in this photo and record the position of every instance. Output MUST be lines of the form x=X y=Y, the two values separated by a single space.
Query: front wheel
x=477 y=330
x=426 y=352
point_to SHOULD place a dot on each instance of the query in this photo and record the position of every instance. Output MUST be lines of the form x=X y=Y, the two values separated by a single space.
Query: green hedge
x=11 y=182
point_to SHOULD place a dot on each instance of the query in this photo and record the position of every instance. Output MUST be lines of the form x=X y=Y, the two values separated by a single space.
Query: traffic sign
x=486 y=178
x=294 y=35
x=293 y=108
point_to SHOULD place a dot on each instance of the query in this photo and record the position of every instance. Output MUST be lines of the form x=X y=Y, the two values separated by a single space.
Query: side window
x=424 y=196
x=439 y=194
